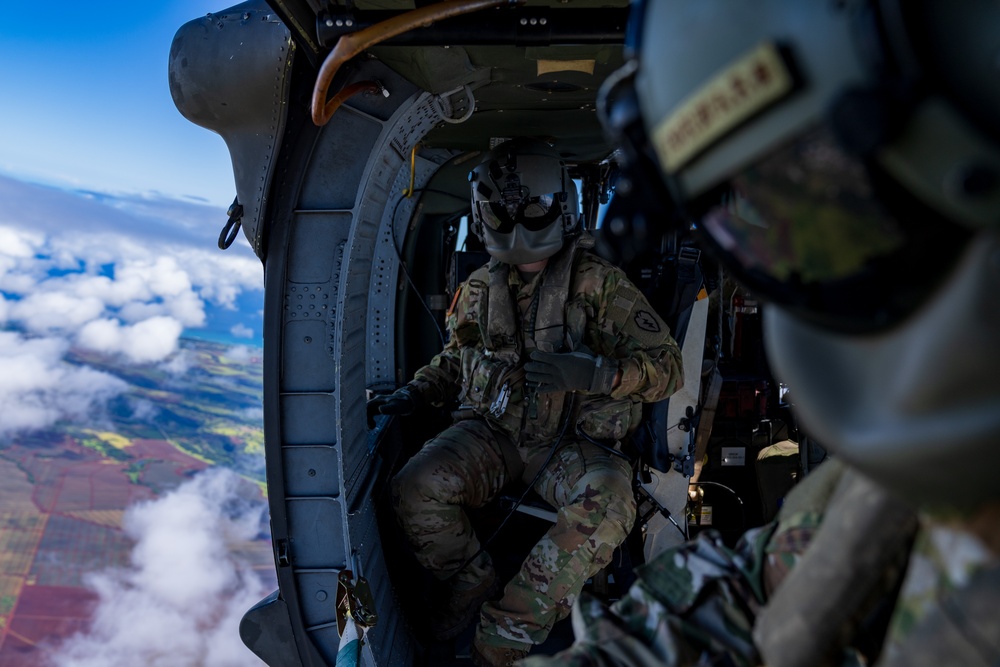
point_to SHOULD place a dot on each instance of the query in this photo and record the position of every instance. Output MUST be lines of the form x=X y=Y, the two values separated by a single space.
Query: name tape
x=744 y=88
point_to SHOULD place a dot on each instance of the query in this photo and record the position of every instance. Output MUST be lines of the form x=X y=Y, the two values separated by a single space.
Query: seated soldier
x=551 y=351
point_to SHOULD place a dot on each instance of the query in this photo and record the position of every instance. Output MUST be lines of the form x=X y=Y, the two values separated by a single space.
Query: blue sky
x=84 y=100
x=111 y=202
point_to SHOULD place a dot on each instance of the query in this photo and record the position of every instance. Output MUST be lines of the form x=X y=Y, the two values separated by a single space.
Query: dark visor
x=534 y=213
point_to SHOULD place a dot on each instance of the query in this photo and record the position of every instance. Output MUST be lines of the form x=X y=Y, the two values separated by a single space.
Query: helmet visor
x=805 y=229
x=522 y=246
x=533 y=213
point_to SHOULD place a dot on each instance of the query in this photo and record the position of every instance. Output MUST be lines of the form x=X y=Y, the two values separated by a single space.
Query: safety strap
x=500 y=326
x=686 y=288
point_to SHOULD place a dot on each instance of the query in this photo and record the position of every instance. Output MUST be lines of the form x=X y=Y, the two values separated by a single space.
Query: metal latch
x=354 y=600
x=499 y=406
x=232 y=227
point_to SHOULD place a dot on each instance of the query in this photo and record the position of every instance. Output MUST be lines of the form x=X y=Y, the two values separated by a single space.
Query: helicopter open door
x=356 y=223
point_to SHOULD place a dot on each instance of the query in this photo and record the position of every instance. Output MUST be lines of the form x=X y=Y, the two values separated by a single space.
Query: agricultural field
x=64 y=492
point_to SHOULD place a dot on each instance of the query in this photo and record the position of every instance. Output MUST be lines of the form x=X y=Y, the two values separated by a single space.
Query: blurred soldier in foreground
x=551 y=352
x=843 y=160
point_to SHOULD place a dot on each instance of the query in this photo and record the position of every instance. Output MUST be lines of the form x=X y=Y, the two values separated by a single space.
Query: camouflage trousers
x=468 y=465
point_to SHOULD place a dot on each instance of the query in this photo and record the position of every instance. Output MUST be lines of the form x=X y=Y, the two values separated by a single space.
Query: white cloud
x=47 y=312
x=38 y=388
x=179 y=364
x=147 y=341
x=143 y=410
x=241 y=331
x=252 y=414
x=19 y=243
x=180 y=600
x=140 y=289
x=223 y=278
x=188 y=309
x=127 y=259
x=23 y=261
x=240 y=353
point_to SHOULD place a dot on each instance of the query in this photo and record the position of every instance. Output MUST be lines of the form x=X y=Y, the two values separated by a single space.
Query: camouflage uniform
x=579 y=302
x=702 y=603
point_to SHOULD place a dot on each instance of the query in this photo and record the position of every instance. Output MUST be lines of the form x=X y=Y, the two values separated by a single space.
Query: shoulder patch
x=647 y=321
x=636 y=318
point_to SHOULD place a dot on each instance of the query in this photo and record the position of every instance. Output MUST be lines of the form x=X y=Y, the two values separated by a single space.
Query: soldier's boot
x=484 y=655
x=469 y=589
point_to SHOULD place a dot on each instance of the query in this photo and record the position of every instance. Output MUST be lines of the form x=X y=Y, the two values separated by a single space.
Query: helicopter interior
x=352 y=127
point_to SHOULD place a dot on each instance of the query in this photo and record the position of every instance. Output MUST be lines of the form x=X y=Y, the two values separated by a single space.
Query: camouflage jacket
x=578 y=302
x=703 y=603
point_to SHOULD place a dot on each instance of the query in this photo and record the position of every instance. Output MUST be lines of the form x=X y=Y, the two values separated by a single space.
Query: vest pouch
x=607 y=419
x=495 y=388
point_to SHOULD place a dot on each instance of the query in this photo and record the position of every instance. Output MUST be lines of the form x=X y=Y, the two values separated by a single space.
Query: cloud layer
x=38 y=388
x=119 y=275
x=116 y=274
x=180 y=600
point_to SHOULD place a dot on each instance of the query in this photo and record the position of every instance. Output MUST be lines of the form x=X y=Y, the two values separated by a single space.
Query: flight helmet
x=842 y=159
x=523 y=201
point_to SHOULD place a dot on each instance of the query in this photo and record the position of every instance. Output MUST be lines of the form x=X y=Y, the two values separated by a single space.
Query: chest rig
x=495 y=376
x=500 y=322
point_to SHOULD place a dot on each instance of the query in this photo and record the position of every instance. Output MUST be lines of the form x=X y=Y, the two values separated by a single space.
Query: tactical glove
x=570 y=371
x=403 y=401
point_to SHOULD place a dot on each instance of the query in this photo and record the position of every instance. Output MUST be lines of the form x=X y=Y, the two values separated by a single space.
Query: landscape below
x=64 y=491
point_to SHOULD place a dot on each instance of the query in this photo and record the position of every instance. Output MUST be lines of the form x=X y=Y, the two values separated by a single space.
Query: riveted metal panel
x=230 y=72
x=330 y=469
x=304 y=349
x=334 y=178
x=311 y=471
x=382 y=291
x=311 y=302
x=318 y=591
x=317 y=240
x=308 y=419
x=316 y=525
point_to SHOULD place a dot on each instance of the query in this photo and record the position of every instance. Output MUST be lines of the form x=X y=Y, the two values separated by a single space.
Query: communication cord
x=399 y=255
x=743 y=514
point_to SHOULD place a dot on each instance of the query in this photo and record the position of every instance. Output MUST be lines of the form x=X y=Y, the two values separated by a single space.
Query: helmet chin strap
x=916 y=408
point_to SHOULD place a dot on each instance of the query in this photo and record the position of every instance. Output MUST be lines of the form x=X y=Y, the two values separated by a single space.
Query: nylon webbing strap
x=550 y=325
x=501 y=327
x=549 y=319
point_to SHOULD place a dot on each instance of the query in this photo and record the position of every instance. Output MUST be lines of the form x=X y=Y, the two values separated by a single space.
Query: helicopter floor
x=455 y=653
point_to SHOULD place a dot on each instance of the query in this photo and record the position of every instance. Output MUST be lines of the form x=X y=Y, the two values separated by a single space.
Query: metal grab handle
x=351 y=45
x=367 y=87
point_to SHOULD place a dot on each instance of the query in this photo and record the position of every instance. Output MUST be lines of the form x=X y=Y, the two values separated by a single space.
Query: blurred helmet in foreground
x=843 y=160
x=523 y=201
